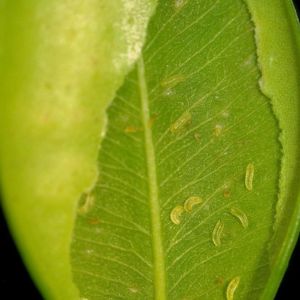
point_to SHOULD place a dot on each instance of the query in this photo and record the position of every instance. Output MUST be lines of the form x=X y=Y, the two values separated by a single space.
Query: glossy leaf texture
x=184 y=205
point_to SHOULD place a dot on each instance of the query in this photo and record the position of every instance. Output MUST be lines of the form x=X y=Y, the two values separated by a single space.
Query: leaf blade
x=210 y=123
x=281 y=43
x=53 y=98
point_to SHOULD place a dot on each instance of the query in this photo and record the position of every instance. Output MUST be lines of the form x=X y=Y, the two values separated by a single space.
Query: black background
x=15 y=283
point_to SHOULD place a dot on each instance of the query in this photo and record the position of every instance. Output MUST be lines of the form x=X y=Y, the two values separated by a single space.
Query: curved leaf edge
x=278 y=48
x=61 y=287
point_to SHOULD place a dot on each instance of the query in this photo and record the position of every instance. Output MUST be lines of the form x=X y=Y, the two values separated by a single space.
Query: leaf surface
x=278 y=55
x=184 y=205
x=61 y=62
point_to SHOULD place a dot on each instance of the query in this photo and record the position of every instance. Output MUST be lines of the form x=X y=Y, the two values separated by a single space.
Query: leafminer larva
x=197 y=136
x=178 y=4
x=232 y=286
x=181 y=122
x=218 y=130
x=133 y=290
x=88 y=202
x=217 y=233
x=176 y=214
x=240 y=215
x=172 y=81
x=249 y=177
x=191 y=202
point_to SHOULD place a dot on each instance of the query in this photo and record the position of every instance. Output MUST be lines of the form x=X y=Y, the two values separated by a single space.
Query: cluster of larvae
x=178 y=210
x=188 y=205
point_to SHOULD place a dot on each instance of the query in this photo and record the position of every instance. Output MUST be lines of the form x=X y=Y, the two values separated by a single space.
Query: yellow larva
x=176 y=214
x=240 y=215
x=232 y=286
x=191 y=202
x=249 y=177
x=217 y=233
x=181 y=122
x=172 y=81
x=87 y=204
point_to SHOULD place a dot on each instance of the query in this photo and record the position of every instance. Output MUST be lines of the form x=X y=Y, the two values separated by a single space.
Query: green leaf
x=278 y=49
x=61 y=62
x=189 y=200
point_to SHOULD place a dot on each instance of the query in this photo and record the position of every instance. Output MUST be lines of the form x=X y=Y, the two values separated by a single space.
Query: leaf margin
x=282 y=42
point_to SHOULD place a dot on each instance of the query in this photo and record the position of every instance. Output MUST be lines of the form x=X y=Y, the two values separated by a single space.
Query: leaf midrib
x=156 y=232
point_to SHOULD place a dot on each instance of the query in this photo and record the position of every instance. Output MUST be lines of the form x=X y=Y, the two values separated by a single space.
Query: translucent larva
x=133 y=290
x=217 y=233
x=240 y=215
x=172 y=81
x=249 y=177
x=218 y=130
x=191 y=202
x=178 y=4
x=197 y=136
x=232 y=286
x=176 y=214
x=88 y=202
x=184 y=120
